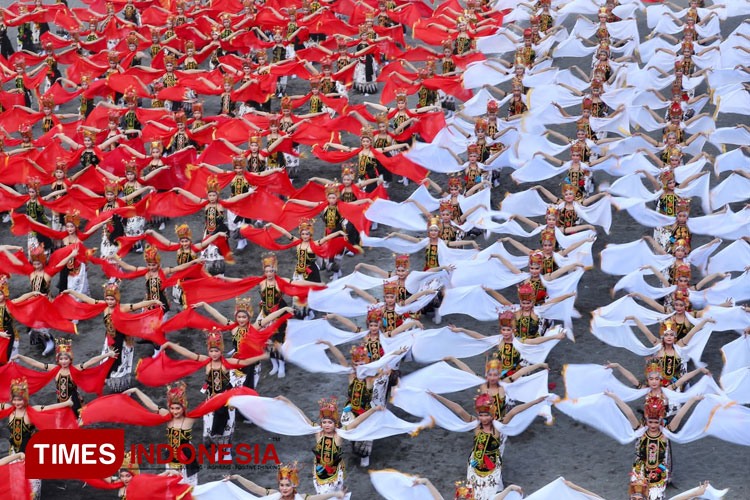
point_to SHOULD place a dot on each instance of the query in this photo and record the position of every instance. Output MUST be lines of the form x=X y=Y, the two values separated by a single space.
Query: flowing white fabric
x=699 y=256
x=337 y=300
x=585 y=380
x=619 y=334
x=221 y=490
x=602 y=413
x=527 y=203
x=538 y=169
x=382 y=424
x=537 y=353
x=394 y=485
x=490 y=273
x=400 y=215
x=420 y=404
x=451 y=256
x=711 y=493
x=727 y=318
x=736 y=354
x=280 y=417
x=441 y=378
x=308 y=332
x=434 y=345
x=395 y=244
x=626 y=306
x=312 y=358
x=634 y=282
x=556 y=490
x=732 y=189
x=715 y=416
x=736 y=385
x=433 y=157
x=622 y=259
x=273 y=415
x=528 y=388
x=419 y=280
x=383 y=365
x=727 y=225
x=472 y=301
x=520 y=261
x=598 y=213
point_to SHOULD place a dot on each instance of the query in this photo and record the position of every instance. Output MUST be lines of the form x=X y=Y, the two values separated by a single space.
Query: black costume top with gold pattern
x=485 y=457
x=328 y=458
x=20 y=434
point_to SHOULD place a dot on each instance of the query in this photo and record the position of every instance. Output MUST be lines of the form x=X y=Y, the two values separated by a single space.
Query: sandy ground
x=531 y=460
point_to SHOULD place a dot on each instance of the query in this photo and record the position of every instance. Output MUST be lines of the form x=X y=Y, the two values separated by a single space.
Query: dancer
x=288 y=477
x=653 y=459
x=329 y=469
x=119 y=376
x=65 y=386
x=179 y=429
x=218 y=426
x=484 y=471
x=255 y=332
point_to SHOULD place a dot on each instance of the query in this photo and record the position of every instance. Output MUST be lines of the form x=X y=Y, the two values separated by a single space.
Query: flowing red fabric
x=356 y=215
x=92 y=379
x=218 y=153
x=277 y=182
x=153 y=487
x=37 y=380
x=332 y=247
x=196 y=271
x=462 y=61
x=451 y=85
x=216 y=402
x=114 y=271
x=9 y=100
x=197 y=178
x=162 y=370
x=265 y=238
x=394 y=84
x=214 y=289
x=299 y=291
x=59 y=418
x=17 y=169
x=144 y=325
x=38 y=312
x=190 y=318
x=334 y=156
x=292 y=213
x=7 y=267
x=13 y=482
x=61 y=255
x=10 y=201
x=254 y=341
x=101 y=484
x=71 y=309
x=260 y=205
x=121 y=409
x=21 y=224
x=172 y=204
x=400 y=165
x=427 y=125
x=429 y=34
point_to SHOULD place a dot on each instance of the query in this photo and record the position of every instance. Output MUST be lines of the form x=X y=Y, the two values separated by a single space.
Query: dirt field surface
x=536 y=457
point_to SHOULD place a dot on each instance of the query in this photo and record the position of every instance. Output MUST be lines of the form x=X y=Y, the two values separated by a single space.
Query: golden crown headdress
x=290 y=472
x=243 y=304
x=329 y=408
x=64 y=347
x=176 y=394
x=19 y=388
